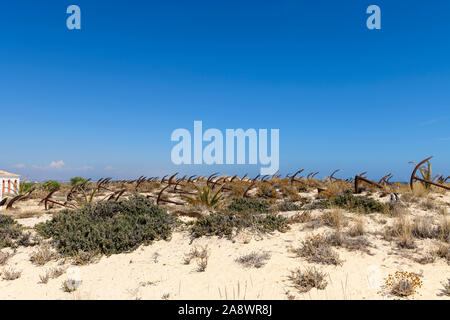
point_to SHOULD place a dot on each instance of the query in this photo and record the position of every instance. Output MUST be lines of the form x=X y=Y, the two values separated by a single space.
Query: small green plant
x=207 y=198
x=403 y=284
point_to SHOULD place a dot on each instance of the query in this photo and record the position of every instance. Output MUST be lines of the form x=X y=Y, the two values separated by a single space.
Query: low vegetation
x=227 y=224
x=254 y=259
x=403 y=284
x=249 y=205
x=316 y=249
x=310 y=278
x=353 y=203
x=10 y=274
x=108 y=227
x=10 y=231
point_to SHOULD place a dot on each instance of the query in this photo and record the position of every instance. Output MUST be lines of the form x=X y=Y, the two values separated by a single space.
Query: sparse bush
x=4 y=257
x=10 y=274
x=224 y=224
x=316 y=249
x=42 y=255
x=108 y=227
x=202 y=263
x=308 y=279
x=70 y=285
x=403 y=284
x=339 y=239
x=201 y=256
x=10 y=231
x=249 y=205
x=254 y=259
x=195 y=253
x=443 y=252
x=28 y=240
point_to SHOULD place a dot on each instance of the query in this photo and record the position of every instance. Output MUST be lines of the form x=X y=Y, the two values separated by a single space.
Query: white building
x=9 y=183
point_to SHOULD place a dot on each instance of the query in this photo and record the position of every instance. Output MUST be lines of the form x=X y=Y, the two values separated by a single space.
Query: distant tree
x=51 y=185
x=77 y=180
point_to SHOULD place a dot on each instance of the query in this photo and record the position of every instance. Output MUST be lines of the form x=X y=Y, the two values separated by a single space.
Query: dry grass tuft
x=51 y=274
x=43 y=255
x=201 y=256
x=333 y=218
x=402 y=231
x=4 y=257
x=308 y=279
x=10 y=274
x=358 y=228
x=254 y=259
x=443 y=252
x=316 y=249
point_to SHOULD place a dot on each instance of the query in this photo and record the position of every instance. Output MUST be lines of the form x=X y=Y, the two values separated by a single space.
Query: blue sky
x=104 y=100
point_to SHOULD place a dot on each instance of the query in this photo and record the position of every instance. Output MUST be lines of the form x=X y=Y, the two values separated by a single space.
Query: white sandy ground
x=158 y=270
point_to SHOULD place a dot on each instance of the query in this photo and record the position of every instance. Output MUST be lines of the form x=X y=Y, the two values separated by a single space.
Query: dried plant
x=333 y=218
x=43 y=255
x=308 y=279
x=446 y=286
x=403 y=284
x=10 y=274
x=201 y=256
x=316 y=249
x=4 y=257
x=358 y=228
x=254 y=259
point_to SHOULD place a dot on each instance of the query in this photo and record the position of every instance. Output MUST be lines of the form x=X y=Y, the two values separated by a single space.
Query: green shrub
x=10 y=231
x=223 y=224
x=249 y=205
x=108 y=227
x=77 y=180
x=353 y=203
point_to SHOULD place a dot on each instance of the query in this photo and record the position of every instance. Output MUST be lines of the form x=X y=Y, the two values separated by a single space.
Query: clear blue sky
x=104 y=100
